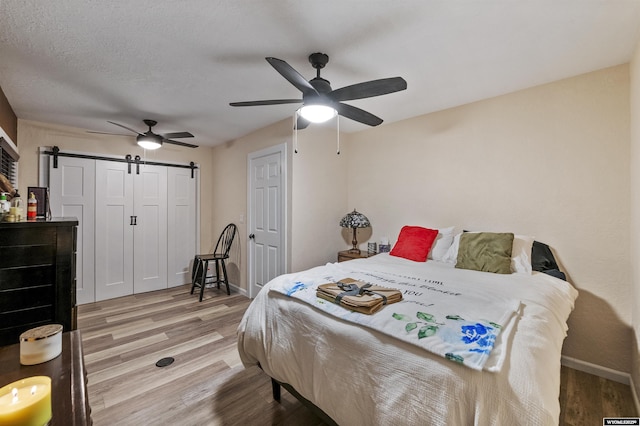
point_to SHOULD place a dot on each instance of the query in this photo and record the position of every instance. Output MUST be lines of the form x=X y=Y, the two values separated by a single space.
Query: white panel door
x=266 y=217
x=181 y=228
x=72 y=194
x=150 y=230
x=113 y=227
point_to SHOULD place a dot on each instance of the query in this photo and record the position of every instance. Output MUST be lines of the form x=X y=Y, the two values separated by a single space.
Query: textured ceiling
x=82 y=62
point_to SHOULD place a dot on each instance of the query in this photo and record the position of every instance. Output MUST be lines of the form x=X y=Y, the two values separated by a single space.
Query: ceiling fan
x=150 y=140
x=319 y=102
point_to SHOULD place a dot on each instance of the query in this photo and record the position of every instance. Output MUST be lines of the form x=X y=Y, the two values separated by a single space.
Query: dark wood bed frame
x=276 y=389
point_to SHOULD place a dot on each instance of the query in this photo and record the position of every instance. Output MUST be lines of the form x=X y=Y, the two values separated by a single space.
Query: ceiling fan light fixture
x=317 y=113
x=149 y=141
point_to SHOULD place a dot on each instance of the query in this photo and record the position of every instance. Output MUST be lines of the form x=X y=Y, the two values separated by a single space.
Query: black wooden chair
x=219 y=256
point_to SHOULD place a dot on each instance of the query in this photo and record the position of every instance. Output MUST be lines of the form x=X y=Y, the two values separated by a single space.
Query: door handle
x=252 y=236
x=134 y=220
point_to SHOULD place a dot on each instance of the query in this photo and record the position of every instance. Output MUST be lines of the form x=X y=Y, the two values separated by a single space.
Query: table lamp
x=355 y=220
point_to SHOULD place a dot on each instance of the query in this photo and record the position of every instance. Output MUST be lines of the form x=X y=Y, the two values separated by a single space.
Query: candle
x=26 y=402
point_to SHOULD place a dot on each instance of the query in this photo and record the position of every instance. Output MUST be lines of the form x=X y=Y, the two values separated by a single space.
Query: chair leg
x=226 y=280
x=218 y=273
x=205 y=267
x=194 y=276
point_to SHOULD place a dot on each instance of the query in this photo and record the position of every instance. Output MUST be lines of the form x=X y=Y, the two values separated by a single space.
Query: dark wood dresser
x=37 y=276
x=69 y=397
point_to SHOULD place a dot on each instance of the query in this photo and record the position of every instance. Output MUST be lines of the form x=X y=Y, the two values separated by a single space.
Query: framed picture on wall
x=41 y=194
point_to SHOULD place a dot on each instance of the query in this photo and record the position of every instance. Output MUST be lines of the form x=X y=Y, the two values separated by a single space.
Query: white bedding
x=360 y=376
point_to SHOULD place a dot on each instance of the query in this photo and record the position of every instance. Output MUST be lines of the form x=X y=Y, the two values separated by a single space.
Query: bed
x=412 y=369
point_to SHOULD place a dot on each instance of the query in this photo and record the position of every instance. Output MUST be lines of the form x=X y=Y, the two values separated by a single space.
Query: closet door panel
x=72 y=194
x=114 y=236
x=181 y=229
x=150 y=231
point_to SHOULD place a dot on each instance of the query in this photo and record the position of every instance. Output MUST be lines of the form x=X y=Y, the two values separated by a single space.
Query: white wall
x=551 y=162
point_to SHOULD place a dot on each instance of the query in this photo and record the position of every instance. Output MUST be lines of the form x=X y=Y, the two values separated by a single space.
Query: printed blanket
x=453 y=320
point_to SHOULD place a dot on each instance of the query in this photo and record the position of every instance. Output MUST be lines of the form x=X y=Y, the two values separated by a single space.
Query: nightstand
x=345 y=255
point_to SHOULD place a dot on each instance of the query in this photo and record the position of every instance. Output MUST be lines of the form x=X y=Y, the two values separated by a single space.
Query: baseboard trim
x=634 y=394
x=597 y=370
x=240 y=290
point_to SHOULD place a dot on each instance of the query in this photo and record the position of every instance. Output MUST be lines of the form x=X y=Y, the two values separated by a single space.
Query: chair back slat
x=223 y=246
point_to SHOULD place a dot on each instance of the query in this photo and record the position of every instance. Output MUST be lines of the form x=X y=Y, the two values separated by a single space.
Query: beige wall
x=316 y=192
x=229 y=189
x=635 y=214
x=551 y=162
x=319 y=198
x=33 y=134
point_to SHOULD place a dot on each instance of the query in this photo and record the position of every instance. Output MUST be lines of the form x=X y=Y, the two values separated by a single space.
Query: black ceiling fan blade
x=293 y=76
x=368 y=89
x=188 y=145
x=125 y=127
x=302 y=123
x=108 y=133
x=177 y=135
x=267 y=102
x=358 y=114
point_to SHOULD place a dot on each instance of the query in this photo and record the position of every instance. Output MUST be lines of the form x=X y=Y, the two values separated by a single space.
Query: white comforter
x=360 y=376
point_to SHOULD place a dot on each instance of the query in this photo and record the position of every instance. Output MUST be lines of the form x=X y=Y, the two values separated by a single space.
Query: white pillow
x=452 y=252
x=442 y=243
x=520 y=253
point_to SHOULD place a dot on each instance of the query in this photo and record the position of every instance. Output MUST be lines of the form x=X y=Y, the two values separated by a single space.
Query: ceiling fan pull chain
x=295 y=131
x=338 y=132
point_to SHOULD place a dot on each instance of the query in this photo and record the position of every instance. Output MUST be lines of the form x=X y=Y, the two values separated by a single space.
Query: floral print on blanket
x=477 y=337
x=461 y=326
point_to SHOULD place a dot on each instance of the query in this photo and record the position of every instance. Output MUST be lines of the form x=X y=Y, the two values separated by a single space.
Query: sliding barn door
x=181 y=228
x=150 y=229
x=71 y=188
x=137 y=224
x=114 y=234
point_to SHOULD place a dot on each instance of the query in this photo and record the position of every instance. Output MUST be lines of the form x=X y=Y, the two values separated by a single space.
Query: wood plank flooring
x=207 y=385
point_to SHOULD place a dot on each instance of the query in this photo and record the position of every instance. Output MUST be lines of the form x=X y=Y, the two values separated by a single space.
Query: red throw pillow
x=414 y=243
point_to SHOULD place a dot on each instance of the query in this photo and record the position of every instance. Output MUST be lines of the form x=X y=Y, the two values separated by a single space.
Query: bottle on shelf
x=17 y=208
x=5 y=205
x=32 y=207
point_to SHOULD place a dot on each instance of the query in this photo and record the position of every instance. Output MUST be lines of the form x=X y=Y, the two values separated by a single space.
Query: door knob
x=252 y=236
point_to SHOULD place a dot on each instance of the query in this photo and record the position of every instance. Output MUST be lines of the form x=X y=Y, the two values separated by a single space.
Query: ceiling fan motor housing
x=150 y=123
x=318 y=60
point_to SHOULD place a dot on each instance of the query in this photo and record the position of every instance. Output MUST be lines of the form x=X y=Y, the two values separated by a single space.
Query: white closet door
x=181 y=229
x=114 y=236
x=150 y=231
x=71 y=188
x=267 y=204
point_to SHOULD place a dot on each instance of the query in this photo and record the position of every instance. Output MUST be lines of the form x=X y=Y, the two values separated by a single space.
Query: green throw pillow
x=485 y=251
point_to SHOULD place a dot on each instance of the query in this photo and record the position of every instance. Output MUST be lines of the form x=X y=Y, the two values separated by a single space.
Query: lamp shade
x=355 y=220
